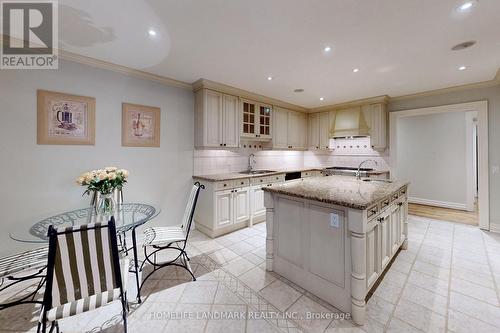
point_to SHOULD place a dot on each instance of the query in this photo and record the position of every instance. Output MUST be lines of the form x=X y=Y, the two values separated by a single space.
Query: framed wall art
x=64 y=119
x=140 y=125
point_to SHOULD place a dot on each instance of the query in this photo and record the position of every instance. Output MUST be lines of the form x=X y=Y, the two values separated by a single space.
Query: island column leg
x=269 y=204
x=358 y=277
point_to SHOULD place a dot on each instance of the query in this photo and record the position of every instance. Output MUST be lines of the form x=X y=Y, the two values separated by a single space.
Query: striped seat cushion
x=82 y=305
x=163 y=235
x=83 y=264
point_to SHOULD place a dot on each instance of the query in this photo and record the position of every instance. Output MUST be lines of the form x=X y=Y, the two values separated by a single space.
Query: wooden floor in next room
x=444 y=214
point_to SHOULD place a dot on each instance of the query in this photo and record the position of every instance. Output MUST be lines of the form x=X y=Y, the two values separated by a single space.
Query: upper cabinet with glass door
x=256 y=120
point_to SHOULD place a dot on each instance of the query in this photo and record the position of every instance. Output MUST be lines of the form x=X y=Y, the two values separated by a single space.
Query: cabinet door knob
x=224 y=145
x=220 y=144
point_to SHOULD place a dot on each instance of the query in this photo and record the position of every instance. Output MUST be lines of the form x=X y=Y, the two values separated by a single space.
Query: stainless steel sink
x=256 y=172
x=377 y=180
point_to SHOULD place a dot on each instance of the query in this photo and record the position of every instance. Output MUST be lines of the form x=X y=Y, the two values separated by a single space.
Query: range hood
x=350 y=123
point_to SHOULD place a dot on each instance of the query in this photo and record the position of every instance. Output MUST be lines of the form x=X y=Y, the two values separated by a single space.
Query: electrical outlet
x=334 y=220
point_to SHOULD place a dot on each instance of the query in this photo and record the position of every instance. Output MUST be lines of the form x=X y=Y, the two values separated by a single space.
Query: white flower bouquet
x=104 y=181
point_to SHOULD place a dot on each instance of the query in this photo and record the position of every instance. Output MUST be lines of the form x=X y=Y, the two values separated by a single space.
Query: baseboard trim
x=443 y=204
x=495 y=228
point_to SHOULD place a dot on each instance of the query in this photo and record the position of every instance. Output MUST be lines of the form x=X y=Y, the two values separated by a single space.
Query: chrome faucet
x=251 y=162
x=358 y=174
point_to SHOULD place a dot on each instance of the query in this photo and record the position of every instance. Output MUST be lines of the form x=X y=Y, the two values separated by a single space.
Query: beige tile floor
x=447 y=281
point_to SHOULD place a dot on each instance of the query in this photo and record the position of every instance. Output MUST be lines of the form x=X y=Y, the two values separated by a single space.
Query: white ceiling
x=400 y=46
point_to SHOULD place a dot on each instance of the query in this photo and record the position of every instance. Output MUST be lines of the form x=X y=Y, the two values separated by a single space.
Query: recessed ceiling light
x=321 y=98
x=355 y=70
x=151 y=32
x=466 y=6
x=327 y=49
x=269 y=78
x=462 y=68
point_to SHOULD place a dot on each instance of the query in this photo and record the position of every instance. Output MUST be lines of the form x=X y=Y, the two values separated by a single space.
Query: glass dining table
x=128 y=217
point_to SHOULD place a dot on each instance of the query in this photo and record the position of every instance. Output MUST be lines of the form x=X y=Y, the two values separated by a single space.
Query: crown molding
x=223 y=88
x=204 y=83
x=476 y=85
x=384 y=99
x=70 y=56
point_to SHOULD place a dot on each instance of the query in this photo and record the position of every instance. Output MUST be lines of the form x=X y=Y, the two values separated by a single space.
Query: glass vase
x=106 y=204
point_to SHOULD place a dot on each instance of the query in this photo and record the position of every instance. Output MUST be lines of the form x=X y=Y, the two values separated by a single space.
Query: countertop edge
x=223 y=177
x=214 y=178
x=346 y=204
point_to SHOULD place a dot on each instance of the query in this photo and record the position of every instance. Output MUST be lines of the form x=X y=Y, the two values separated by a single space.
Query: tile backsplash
x=350 y=153
x=223 y=161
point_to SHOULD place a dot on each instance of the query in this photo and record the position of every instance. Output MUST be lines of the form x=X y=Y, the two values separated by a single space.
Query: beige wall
x=39 y=180
x=492 y=95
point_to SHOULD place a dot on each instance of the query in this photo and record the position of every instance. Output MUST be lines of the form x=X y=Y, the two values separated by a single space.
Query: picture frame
x=140 y=125
x=65 y=119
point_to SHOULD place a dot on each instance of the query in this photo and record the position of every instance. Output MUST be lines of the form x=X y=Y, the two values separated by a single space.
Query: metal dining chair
x=83 y=272
x=12 y=269
x=175 y=238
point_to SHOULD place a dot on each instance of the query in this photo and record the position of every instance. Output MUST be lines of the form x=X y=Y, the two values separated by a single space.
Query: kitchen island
x=334 y=236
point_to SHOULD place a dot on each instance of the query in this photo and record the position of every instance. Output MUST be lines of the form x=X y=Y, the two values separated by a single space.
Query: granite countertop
x=339 y=190
x=236 y=175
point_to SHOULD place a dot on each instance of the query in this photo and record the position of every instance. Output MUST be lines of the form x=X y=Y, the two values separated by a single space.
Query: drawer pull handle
x=373 y=211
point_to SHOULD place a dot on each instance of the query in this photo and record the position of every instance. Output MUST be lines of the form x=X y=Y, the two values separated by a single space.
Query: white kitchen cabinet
x=289 y=129
x=225 y=206
x=319 y=130
x=385 y=239
x=385 y=234
x=257 y=201
x=230 y=117
x=373 y=267
x=302 y=131
x=378 y=128
x=313 y=131
x=324 y=130
x=216 y=119
x=258 y=210
x=224 y=212
x=281 y=128
x=297 y=130
x=213 y=116
x=256 y=121
x=395 y=228
x=241 y=199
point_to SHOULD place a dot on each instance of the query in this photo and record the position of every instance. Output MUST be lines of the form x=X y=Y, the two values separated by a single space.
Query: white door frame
x=482 y=130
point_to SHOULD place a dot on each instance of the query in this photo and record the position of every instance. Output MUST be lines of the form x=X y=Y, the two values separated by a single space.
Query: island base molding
x=337 y=253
